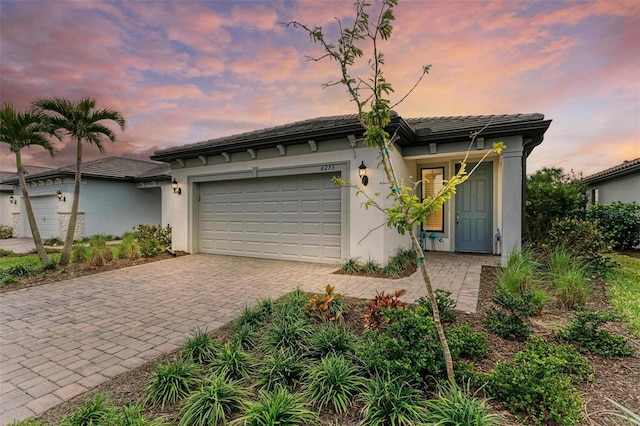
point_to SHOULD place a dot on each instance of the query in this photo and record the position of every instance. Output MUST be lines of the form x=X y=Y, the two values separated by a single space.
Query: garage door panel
x=290 y=217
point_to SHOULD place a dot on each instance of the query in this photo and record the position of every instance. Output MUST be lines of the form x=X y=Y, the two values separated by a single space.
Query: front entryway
x=473 y=215
x=296 y=217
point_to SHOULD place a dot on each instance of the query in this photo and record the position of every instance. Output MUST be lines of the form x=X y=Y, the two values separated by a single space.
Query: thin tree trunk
x=35 y=233
x=448 y=360
x=422 y=264
x=68 y=241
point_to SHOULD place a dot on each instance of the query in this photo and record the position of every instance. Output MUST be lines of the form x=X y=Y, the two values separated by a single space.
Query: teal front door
x=474 y=207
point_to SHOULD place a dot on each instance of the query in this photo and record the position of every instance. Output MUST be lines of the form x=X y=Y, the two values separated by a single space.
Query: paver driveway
x=59 y=340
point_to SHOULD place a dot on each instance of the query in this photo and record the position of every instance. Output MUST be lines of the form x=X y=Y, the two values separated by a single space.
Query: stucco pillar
x=165 y=197
x=512 y=199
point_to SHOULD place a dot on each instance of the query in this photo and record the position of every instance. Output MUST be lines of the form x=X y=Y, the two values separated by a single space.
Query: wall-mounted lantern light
x=176 y=188
x=60 y=196
x=362 y=172
x=12 y=200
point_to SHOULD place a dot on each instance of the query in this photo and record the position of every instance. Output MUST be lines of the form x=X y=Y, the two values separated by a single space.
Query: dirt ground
x=615 y=378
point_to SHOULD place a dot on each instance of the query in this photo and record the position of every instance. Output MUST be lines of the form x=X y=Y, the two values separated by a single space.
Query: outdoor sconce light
x=362 y=172
x=60 y=197
x=12 y=200
x=174 y=185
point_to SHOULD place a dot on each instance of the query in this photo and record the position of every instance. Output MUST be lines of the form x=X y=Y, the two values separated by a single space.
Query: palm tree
x=20 y=130
x=80 y=121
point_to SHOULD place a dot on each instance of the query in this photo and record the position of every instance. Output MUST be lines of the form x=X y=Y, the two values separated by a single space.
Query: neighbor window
x=432 y=181
x=594 y=195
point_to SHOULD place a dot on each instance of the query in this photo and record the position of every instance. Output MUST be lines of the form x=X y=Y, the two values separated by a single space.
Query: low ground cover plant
x=585 y=331
x=624 y=292
x=402 y=263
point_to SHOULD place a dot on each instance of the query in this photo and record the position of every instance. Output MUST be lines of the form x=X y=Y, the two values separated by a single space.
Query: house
x=116 y=194
x=618 y=183
x=6 y=193
x=269 y=193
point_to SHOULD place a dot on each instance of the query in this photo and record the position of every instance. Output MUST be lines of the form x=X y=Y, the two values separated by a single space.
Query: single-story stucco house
x=617 y=183
x=116 y=194
x=269 y=193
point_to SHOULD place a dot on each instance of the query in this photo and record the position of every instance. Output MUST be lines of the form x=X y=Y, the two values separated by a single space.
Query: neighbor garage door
x=45 y=209
x=289 y=217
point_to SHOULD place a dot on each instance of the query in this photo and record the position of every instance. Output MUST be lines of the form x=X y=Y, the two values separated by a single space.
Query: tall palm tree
x=19 y=130
x=80 y=121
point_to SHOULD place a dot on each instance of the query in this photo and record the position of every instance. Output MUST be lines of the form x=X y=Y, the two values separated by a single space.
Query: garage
x=45 y=209
x=296 y=217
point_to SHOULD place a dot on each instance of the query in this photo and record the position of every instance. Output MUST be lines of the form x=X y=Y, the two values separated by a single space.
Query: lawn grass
x=624 y=290
x=10 y=261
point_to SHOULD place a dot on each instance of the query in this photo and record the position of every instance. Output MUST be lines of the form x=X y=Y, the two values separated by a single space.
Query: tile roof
x=340 y=124
x=627 y=167
x=112 y=168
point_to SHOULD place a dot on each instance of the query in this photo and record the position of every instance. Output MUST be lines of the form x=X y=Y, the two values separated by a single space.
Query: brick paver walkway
x=61 y=339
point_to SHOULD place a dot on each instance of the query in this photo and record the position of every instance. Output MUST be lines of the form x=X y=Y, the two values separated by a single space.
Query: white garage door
x=45 y=209
x=289 y=217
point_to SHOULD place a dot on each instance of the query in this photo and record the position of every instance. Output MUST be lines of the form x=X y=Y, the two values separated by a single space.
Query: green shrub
x=540 y=383
x=152 y=239
x=455 y=405
x=278 y=408
x=552 y=195
x=200 y=348
x=620 y=222
x=282 y=368
x=585 y=331
x=332 y=339
x=584 y=241
x=95 y=411
x=98 y=241
x=172 y=382
x=466 y=343
x=232 y=361
x=393 y=402
x=509 y=319
x=212 y=403
x=407 y=349
x=446 y=306
x=334 y=382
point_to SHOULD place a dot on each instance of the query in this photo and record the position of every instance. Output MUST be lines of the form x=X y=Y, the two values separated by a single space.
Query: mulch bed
x=615 y=378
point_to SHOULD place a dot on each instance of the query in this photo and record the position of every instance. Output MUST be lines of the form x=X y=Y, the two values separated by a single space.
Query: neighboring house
x=116 y=194
x=618 y=183
x=270 y=194
x=7 y=199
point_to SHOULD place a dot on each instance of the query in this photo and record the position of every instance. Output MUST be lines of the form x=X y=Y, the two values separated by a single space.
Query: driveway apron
x=59 y=340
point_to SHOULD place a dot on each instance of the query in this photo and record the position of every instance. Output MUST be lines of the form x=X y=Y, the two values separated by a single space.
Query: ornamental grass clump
x=568 y=277
x=200 y=348
x=332 y=339
x=232 y=361
x=280 y=368
x=280 y=407
x=95 y=411
x=392 y=402
x=172 y=382
x=212 y=403
x=334 y=382
x=456 y=405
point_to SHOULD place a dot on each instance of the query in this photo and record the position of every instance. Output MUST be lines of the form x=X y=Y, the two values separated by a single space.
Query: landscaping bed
x=616 y=378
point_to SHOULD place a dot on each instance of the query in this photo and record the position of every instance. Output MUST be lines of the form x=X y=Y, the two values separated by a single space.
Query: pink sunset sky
x=186 y=71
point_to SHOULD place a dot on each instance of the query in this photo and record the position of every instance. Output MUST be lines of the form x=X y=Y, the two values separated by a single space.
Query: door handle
x=457 y=218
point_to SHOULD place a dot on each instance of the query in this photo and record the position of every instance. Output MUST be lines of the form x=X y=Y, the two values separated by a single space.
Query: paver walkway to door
x=61 y=339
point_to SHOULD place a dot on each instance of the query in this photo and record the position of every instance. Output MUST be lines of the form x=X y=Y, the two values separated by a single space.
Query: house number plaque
x=327 y=167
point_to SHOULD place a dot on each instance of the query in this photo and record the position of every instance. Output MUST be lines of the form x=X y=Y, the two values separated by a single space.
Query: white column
x=512 y=199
